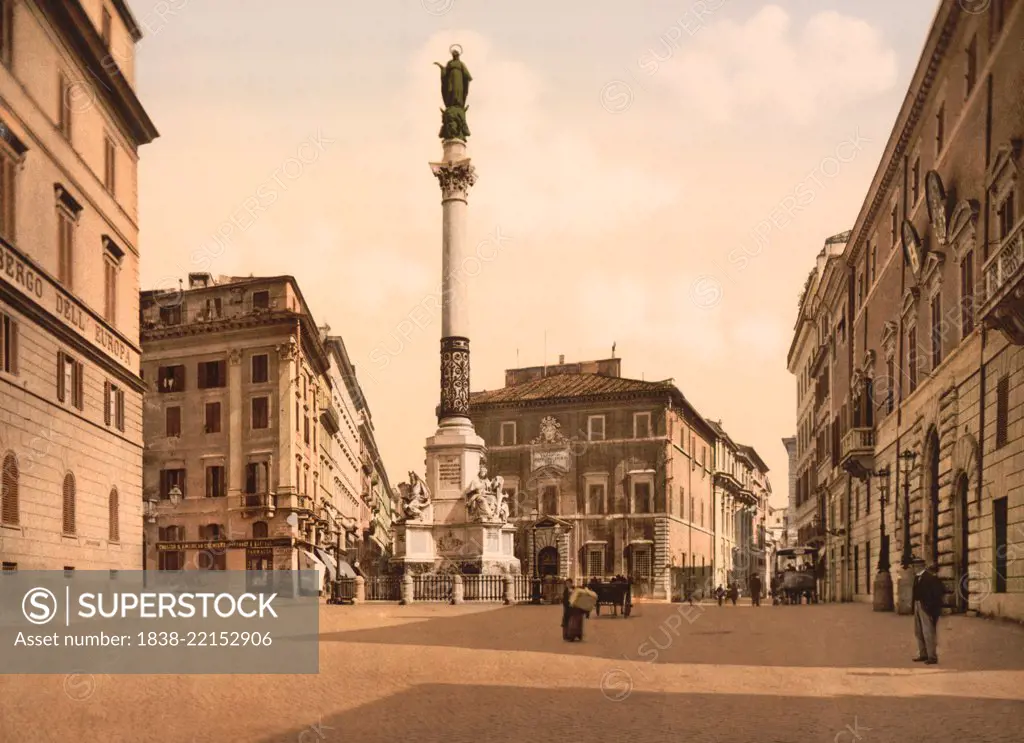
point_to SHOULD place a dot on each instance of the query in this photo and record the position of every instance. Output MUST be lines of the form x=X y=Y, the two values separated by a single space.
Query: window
x=508 y=433
x=936 y=331
x=10 y=567
x=261 y=412
x=595 y=428
x=69 y=571
x=890 y=383
x=692 y=501
x=70 y=386
x=173 y=421
x=6 y=31
x=212 y=374
x=109 y=164
x=595 y=560
x=171 y=379
x=10 y=514
x=8 y=177
x=8 y=344
x=256 y=477
x=702 y=513
x=967 y=293
x=65 y=247
x=65 y=91
x=1006 y=215
x=113 y=526
x=260 y=530
x=971 y=72
x=215 y=482
x=261 y=300
x=940 y=129
x=873 y=257
x=260 y=368
x=298 y=417
x=549 y=500
x=641 y=561
x=915 y=181
x=912 y=358
x=641 y=425
x=212 y=417
x=171 y=560
x=212 y=559
x=1000 y=544
x=113 y=405
x=106 y=28
x=682 y=502
x=109 y=290
x=596 y=497
x=171 y=315
x=1002 y=411
x=894 y=224
x=867 y=567
x=305 y=429
x=641 y=497
x=68 y=511
x=171 y=479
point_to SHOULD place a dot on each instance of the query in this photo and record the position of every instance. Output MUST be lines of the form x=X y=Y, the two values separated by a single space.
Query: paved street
x=489 y=673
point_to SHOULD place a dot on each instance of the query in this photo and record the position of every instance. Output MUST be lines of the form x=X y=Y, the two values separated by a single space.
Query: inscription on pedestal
x=449 y=471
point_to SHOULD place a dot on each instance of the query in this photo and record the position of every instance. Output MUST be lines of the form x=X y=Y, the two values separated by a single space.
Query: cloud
x=767 y=66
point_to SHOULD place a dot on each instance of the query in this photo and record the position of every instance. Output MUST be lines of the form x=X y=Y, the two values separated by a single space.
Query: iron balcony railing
x=857 y=442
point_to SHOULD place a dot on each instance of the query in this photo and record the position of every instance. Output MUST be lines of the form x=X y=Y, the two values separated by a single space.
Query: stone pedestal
x=414 y=547
x=494 y=544
x=882 y=592
x=905 y=591
x=453 y=461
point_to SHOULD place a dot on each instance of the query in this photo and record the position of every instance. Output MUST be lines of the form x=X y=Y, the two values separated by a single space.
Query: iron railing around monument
x=432 y=588
x=483 y=587
x=383 y=588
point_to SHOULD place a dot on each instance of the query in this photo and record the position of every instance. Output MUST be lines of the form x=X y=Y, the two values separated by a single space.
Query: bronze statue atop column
x=455 y=79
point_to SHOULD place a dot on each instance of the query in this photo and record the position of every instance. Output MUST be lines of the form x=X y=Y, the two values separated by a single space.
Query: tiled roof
x=562 y=386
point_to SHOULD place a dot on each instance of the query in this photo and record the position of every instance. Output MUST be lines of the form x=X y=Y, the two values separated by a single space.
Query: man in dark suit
x=928 y=593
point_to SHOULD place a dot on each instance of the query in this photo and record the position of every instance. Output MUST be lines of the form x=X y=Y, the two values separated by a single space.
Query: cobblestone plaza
x=428 y=672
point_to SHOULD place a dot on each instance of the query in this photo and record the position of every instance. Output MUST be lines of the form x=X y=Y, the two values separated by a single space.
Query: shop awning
x=316 y=563
x=333 y=566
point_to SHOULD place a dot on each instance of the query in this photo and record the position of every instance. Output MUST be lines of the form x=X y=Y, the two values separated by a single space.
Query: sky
x=655 y=175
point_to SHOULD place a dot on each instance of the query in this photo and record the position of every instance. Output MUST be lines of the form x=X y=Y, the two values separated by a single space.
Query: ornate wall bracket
x=454 y=378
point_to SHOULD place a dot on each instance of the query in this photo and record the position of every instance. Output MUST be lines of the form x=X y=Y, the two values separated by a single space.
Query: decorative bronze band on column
x=454 y=377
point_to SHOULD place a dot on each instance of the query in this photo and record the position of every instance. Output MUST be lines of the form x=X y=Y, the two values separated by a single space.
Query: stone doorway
x=547 y=562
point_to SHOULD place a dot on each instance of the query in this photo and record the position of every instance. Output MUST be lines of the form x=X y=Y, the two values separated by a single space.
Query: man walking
x=755 y=589
x=927 y=595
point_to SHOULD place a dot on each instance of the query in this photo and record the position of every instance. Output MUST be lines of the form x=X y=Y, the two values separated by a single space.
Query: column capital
x=456 y=177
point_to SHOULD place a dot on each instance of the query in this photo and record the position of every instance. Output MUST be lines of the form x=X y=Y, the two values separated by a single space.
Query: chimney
x=199 y=280
x=561 y=359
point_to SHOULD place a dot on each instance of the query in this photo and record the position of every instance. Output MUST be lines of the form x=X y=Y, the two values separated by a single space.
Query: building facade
x=606 y=475
x=71 y=126
x=254 y=423
x=926 y=343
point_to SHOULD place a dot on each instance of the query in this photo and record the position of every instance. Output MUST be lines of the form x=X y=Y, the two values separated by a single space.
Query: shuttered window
x=113 y=405
x=112 y=506
x=70 y=380
x=174 y=421
x=8 y=177
x=6 y=31
x=69 y=504
x=8 y=344
x=9 y=513
x=65 y=247
x=1002 y=412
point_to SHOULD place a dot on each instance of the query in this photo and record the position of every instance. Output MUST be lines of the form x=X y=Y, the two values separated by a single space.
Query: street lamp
x=535 y=599
x=882 y=590
x=907 y=457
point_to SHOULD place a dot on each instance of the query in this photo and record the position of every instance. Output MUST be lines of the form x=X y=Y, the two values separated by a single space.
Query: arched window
x=69 y=504
x=115 y=529
x=259 y=530
x=9 y=496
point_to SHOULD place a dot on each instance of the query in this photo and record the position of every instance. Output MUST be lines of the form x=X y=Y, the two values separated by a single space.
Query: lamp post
x=907 y=457
x=882 y=599
x=535 y=599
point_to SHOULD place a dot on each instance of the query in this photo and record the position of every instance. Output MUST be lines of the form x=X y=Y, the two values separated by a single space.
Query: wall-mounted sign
x=912 y=249
x=936 y=197
x=449 y=470
x=559 y=459
x=224 y=544
x=18 y=272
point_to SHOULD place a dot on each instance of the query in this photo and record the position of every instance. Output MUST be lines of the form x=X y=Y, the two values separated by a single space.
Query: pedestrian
x=755 y=589
x=734 y=592
x=720 y=594
x=927 y=597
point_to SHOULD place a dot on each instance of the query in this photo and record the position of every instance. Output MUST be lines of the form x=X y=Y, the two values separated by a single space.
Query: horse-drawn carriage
x=616 y=593
x=795 y=575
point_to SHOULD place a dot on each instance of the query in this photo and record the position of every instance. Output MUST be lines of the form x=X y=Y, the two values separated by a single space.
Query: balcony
x=257 y=502
x=171 y=310
x=1003 y=306
x=329 y=417
x=857 y=450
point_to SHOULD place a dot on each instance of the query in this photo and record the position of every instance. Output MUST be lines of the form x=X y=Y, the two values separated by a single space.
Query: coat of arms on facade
x=550 y=433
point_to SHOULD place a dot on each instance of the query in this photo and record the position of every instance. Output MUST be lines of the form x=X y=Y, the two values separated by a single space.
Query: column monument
x=462 y=520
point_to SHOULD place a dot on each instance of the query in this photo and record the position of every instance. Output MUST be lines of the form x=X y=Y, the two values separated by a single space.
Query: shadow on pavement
x=499 y=714
x=839 y=636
